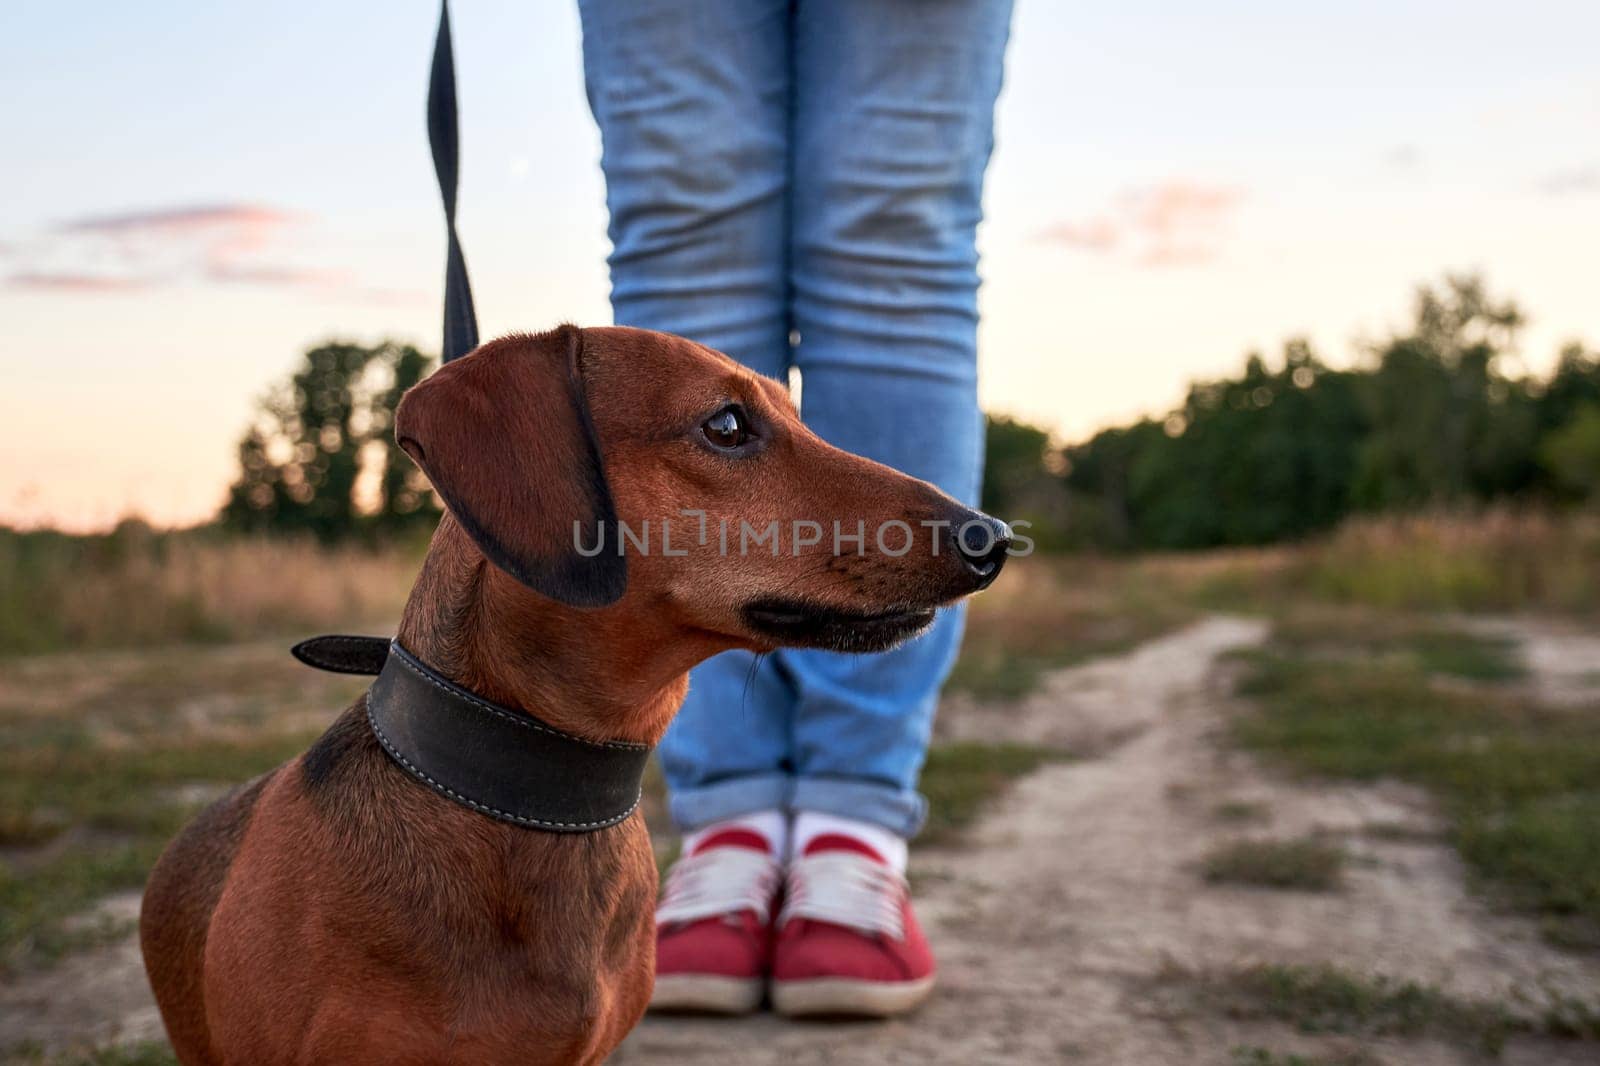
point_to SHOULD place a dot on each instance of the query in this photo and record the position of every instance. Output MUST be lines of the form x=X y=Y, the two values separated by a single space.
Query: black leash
x=460 y=320
x=499 y=762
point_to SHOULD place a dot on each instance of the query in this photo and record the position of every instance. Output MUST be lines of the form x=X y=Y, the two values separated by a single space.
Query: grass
x=1308 y=864
x=1328 y=1000
x=1471 y=657
x=1241 y=811
x=1544 y=851
x=145 y=1053
x=1419 y=642
x=1520 y=787
x=1496 y=560
x=1252 y=1055
x=135 y=587
x=1502 y=559
x=1402 y=833
x=97 y=748
x=119 y=806
x=959 y=779
x=103 y=756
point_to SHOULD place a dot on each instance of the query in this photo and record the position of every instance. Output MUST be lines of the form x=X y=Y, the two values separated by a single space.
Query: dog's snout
x=982 y=543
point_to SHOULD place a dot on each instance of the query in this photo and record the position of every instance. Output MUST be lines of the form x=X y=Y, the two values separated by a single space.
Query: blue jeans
x=797 y=183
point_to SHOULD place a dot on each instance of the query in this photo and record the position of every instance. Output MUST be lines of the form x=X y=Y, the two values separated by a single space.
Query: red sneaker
x=848 y=941
x=713 y=943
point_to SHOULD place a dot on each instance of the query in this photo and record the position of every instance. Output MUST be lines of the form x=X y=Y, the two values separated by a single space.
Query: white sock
x=809 y=825
x=770 y=825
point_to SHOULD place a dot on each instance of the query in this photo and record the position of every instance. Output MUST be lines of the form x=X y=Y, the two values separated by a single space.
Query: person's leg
x=894 y=105
x=692 y=100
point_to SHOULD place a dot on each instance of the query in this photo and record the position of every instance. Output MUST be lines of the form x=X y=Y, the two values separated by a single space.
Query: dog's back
x=179 y=898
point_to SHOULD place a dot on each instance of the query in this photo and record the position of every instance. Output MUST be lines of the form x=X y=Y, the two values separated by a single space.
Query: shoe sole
x=706 y=994
x=839 y=996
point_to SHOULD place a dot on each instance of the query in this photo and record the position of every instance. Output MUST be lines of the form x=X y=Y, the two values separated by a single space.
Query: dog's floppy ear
x=505 y=436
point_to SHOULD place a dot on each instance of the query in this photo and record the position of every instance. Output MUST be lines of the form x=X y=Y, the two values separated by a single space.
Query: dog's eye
x=727 y=428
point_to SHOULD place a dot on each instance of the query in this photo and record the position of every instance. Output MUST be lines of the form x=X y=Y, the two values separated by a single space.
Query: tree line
x=1436 y=415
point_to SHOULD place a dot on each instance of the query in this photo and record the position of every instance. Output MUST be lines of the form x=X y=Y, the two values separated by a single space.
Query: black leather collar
x=502 y=763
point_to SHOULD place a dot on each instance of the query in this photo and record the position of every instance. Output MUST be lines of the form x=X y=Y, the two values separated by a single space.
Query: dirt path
x=93 y=998
x=1077 y=890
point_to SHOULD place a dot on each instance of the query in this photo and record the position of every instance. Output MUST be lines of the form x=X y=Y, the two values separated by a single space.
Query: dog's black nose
x=982 y=542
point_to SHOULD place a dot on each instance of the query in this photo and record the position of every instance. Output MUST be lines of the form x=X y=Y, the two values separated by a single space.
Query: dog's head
x=640 y=472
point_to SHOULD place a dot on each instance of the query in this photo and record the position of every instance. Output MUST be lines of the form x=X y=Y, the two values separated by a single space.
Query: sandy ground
x=93 y=998
x=1078 y=889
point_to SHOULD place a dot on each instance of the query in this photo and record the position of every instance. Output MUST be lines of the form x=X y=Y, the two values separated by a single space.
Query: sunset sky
x=194 y=192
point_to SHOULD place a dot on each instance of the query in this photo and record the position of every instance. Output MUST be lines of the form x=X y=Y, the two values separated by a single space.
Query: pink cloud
x=62 y=282
x=173 y=220
x=210 y=243
x=1174 y=223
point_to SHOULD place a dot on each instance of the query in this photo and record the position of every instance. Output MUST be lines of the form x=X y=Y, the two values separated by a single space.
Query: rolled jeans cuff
x=901 y=811
x=692 y=808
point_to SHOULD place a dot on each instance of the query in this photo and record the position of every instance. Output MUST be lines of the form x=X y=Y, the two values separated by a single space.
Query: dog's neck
x=599 y=673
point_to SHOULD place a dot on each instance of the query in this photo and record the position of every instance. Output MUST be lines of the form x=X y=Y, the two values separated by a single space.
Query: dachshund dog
x=337 y=910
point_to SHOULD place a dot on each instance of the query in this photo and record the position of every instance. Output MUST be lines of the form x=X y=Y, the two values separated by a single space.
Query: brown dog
x=335 y=910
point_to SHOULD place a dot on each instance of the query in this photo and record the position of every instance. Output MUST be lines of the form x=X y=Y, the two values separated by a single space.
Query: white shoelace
x=844 y=888
x=719 y=881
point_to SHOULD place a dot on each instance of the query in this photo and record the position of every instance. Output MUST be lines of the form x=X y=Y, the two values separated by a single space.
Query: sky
x=189 y=199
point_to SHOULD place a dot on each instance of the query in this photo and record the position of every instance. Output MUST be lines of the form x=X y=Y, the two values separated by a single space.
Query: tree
x=1448 y=424
x=1568 y=414
x=320 y=456
x=1262 y=458
x=1436 y=418
x=1249 y=460
x=1098 y=478
x=1014 y=459
x=1574 y=386
x=1571 y=455
x=1021 y=481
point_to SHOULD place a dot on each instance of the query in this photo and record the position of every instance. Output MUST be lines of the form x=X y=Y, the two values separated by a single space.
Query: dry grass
x=1306 y=864
x=145 y=1053
x=136 y=587
x=1419 y=641
x=1331 y=1001
x=1253 y=1055
x=103 y=755
x=1496 y=560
